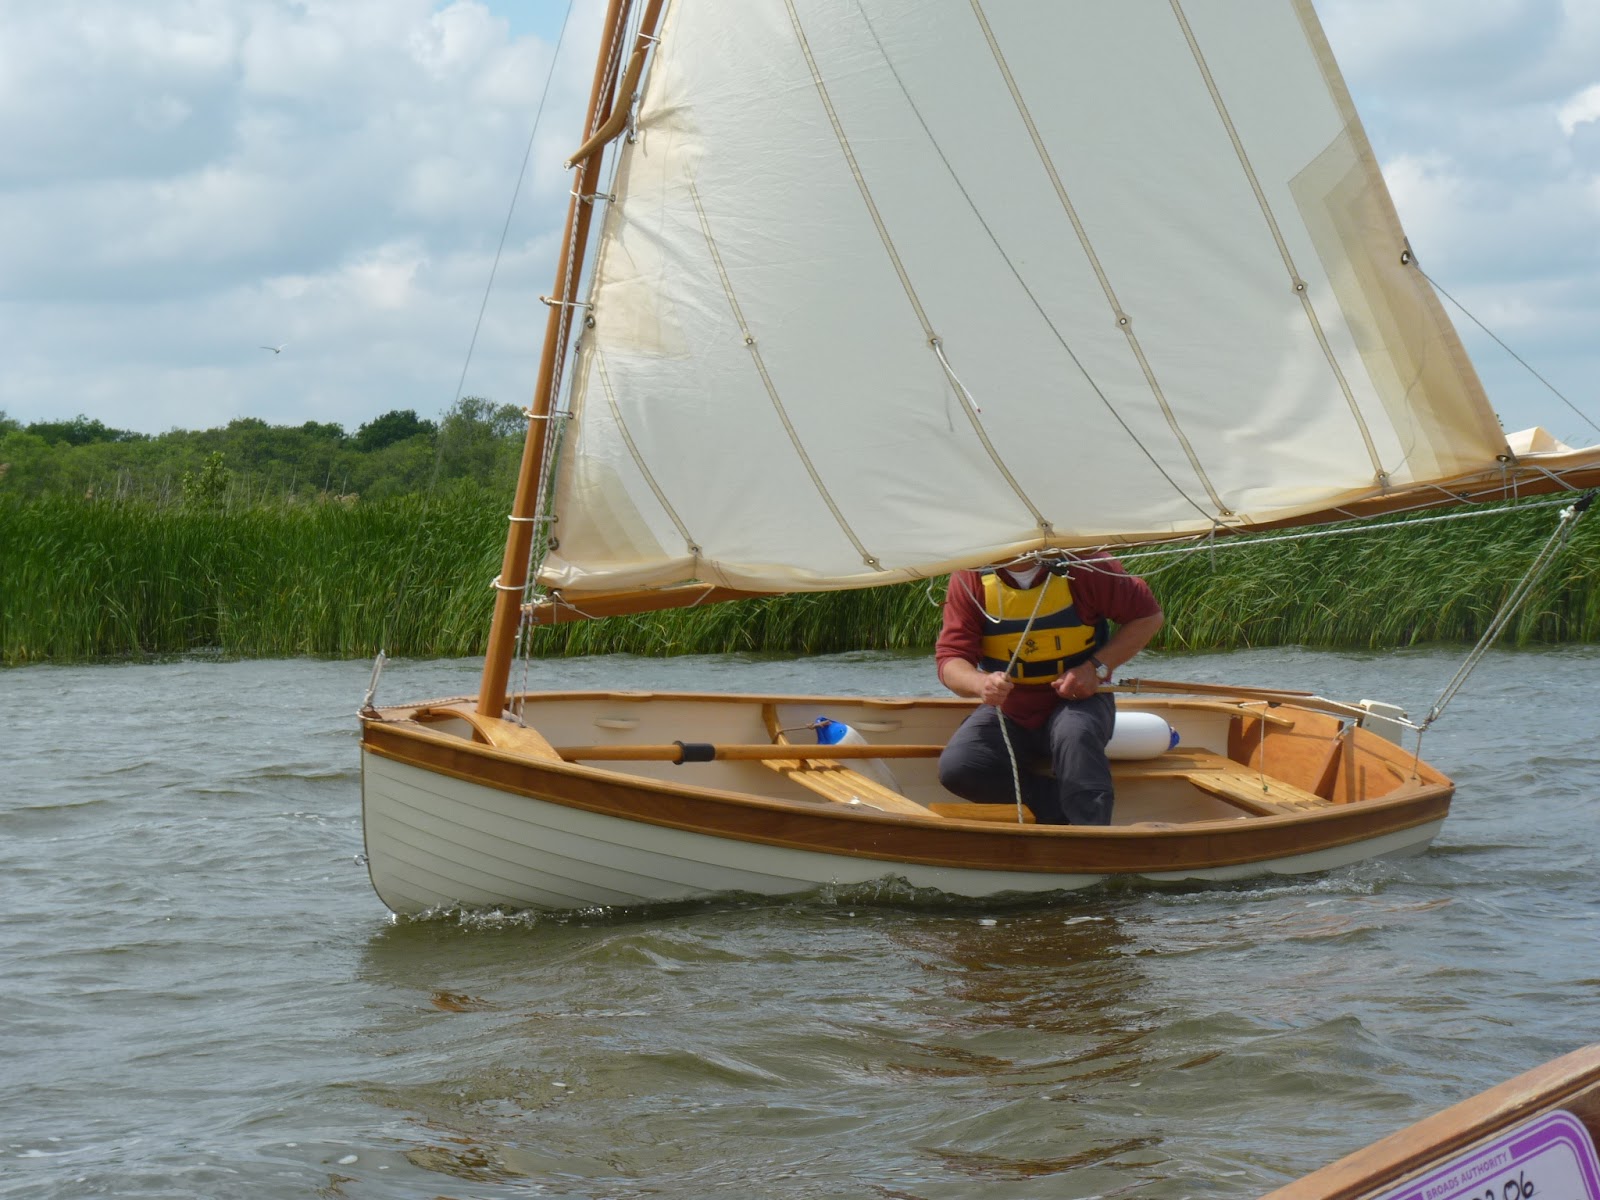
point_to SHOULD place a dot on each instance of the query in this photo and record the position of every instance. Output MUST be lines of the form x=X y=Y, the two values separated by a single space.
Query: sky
x=187 y=183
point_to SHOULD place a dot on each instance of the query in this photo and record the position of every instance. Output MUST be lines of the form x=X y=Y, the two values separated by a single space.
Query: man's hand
x=1077 y=683
x=995 y=688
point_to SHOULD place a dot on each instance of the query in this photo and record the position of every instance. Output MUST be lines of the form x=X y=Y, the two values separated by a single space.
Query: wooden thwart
x=1213 y=774
x=835 y=779
x=502 y=735
x=844 y=786
x=1225 y=779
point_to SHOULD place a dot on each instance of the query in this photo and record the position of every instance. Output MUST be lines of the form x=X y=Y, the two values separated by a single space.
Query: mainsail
x=893 y=286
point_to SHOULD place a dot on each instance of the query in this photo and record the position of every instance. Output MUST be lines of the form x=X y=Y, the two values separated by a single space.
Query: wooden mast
x=519 y=537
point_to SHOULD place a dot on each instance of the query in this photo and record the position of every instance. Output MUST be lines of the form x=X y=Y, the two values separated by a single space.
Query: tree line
x=248 y=461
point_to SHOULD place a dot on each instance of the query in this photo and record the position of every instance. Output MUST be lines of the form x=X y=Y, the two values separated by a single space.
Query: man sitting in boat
x=1033 y=640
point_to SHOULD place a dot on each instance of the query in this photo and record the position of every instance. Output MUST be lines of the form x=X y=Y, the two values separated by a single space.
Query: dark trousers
x=976 y=767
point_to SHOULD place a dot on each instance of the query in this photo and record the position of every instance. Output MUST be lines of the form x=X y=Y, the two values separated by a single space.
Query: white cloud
x=1428 y=192
x=183 y=180
x=1478 y=111
x=384 y=280
x=1580 y=110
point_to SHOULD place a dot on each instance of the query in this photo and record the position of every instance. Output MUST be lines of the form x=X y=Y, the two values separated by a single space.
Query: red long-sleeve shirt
x=1101 y=588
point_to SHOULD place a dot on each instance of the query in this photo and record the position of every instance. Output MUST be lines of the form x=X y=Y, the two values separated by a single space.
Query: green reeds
x=95 y=580
x=1395 y=584
x=88 y=580
x=889 y=618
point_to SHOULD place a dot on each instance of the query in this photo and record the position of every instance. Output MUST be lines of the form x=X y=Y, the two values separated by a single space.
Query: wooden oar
x=1135 y=686
x=1139 y=687
x=682 y=752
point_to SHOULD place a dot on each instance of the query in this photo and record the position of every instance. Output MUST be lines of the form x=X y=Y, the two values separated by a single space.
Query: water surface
x=205 y=999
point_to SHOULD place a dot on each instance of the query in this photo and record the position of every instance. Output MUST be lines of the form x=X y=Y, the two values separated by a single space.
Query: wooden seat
x=836 y=779
x=492 y=731
x=1255 y=793
x=844 y=786
x=1225 y=779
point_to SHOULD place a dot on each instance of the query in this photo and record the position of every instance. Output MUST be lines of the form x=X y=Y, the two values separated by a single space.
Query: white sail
x=891 y=286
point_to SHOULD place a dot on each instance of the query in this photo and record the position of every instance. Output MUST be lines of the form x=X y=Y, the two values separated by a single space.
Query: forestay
x=891 y=286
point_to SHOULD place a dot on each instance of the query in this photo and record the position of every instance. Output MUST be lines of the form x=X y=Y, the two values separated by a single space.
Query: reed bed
x=1386 y=585
x=87 y=581
x=82 y=581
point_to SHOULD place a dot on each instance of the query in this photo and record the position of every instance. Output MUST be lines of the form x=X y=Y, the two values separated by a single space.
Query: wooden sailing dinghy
x=1530 y=1137
x=885 y=289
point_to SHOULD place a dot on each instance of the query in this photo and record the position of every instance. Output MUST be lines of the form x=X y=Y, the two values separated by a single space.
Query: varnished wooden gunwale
x=1568 y=1084
x=1050 y=849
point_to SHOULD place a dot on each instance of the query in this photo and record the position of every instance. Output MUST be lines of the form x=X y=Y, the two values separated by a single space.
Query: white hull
x=439 y=842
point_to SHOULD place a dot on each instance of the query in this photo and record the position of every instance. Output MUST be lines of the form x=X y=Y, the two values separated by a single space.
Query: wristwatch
x=1101 y=671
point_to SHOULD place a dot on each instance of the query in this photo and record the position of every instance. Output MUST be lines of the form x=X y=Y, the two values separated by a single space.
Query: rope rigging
x=1582 y=416
x=1508 y=608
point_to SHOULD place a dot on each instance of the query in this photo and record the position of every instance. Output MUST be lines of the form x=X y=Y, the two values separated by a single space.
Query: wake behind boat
x=882 y=291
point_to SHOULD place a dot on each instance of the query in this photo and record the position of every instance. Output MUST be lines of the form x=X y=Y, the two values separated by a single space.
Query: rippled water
x=203 y=998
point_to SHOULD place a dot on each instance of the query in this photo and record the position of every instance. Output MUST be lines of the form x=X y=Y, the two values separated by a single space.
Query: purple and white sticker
x=1551 y=1158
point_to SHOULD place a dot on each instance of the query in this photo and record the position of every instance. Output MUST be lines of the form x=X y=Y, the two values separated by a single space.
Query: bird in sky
x=278 y=349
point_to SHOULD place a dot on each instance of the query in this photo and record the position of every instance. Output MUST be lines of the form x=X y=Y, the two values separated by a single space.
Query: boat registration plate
x=1552 y=1158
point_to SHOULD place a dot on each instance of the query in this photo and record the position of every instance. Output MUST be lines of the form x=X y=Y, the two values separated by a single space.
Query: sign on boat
x=853 y=294
x=1530 y=1138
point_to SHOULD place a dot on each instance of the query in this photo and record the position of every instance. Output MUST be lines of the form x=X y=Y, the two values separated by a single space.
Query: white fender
x=1140 y=735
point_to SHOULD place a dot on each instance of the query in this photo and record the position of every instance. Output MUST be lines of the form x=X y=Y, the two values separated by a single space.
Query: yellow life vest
x=1045 y=633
